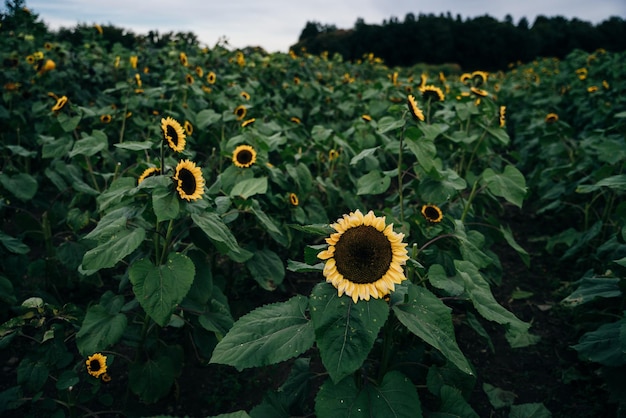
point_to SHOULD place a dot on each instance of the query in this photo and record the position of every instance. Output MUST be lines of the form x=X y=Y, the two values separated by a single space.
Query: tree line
x=475 y=43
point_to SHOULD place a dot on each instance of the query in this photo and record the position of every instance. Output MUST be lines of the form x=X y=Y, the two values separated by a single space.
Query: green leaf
x=217 y=320
x=90 y=145
x=590 y=288
x=480 y=294
x=345 y=331
x=510 y=185
x=389 y=123
x=67 y=379
x=300 y=267
x=529 y=410
x=508 y=236
x=395 y=397
x=237 y=414
x=165 y=203
x=249 y=187
x=374 y=182
x=152 y=379
x=617 y=182
x=114 y=249
x=12 y=244
x=427 y=317
x=267 y=268
x=160 y=288
x=365 y=153
x=68 y=124
x=423 y=148
x=32 y=375
x=453 y=404
x=317 y=229
x=118 y=189
x=498 y=398
x=267 y=335
x=207 y=117
x=56 y=147
x=604 y=345
x=438 y=278
x=21 y=185
x=101 y=327
x=433 y=130
x=135 y=145
x=217 y=231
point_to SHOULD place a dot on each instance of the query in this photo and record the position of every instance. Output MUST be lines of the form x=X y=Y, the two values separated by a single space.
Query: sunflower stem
x=469 y=201
x=387 y=349
x=400 y=194
x=166 y=244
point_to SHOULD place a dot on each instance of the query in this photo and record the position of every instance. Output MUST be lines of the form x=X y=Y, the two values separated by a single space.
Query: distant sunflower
x=189 y=79
x=479 y=78
x=333 y=154
x=432 y=93
x=173 y=133
x=211 y=77
x=296 y=120
x=245 y=95
x=414 y=109
x=240 y=111
x=247 y=122
x=551 y=117
x=148 y=172
x=106 y=378
x=199 y=71
x=479 y=92
x=133 y=61
x=432 y=213
x=188 y=128
x=61 y=101
x=138 y=79
x=592 y=89
x=96 y=365
x=366 y=118
x=423 y=79
x=183 y=59
x=189 y=180
x=502 y=116
x=364 y=257
x=244 y=156
x=293 y=199
x=105 y=118
x=465 y=77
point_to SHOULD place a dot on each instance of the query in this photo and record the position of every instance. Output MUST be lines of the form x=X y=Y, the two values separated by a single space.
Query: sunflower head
x=364 y=257
x=105 y=118
x=552 y=117
x=293 y=199
x=245 y=95
x=414 y=108
x=211 y=77
x=188 y=127
x=240 y=112
x=479 y=92
x=432 y=213
x=244 y=156
x=432 y=93
x=61 y=101
x=96 y=365
x=502 y=116
x=247 y=122
x=189 y=79
x=189 y=180
x=366 y=118
x=173 y=133
x=148 y=172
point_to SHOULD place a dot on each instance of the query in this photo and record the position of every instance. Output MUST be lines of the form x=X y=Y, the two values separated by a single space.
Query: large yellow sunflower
x=96 y=365
x=244 y=156
x=189 y=180
x=414 y=108
x=364 y=257
x=433 y=93
x=173 y=133
x=148 y=172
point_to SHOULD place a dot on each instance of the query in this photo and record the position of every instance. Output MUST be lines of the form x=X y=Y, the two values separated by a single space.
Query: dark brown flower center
x=94 y=365
x=187 y=181
x=431 y=213
x=244 y=157
x=363 y=254
x=170 y=132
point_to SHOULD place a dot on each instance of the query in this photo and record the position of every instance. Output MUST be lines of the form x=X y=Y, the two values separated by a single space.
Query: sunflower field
x=201 y=231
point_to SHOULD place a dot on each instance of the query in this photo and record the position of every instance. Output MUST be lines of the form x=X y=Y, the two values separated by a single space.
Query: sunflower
x=199 y=71
x=479 y=77
x=133 y=61
x=463 y=78
x=245 y=95
x=183 y=59
x=293 y=199
x=60 y=103
x=105 y=118
x=433 y=93
x=189 y=180
x=106 y=378
x=98 y=28
x=96 y=365
x=49 y=65
x=296 y=120
x=211 y=77
x=240 y=111
x=414 y=109
x=138 y=80
x=244 y=156
x=366 y=118
x=188 y=127
x=551 y=117
x=479 y=92
x=592 y=89
x=502 y=116
x=173 y=133
x=364 y=257
x=189 y=79
x=247 y=122
x=148 y=172
x=30 y=59
x=333 y=154
x=432 y=213
x=423 y=79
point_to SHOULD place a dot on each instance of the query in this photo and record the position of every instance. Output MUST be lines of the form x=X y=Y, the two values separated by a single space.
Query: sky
x=276 y=24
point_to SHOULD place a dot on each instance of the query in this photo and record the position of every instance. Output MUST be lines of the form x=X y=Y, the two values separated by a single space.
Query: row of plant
x=177 y=206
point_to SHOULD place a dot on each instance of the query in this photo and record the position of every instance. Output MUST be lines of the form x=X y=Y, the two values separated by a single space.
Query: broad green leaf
x=237 y=414
x=617 y=182
x=437 y=277
x=268 y=224
x=447 y=183
x=530 y=410
x=365 y=153
x=453 y=404
x=470 y=244
x=110 y=224
x=32 y=375
x=300 y=267
x=160 y=288
x=118 y=189
x=135 y=145
x=499 y=398
x=424 y=149
x=217 y=320
x=433 y=130
x=604 y=345
x=67 y=379
x=68 y=124
x=345 y=331
x=217 y=231
x=90 y=145
x=389 y=123
x=207 y=117
x=427 y=317
x=320 y=134
x=317 y=229
x=395 y=397
x=101 y=327
x=110 y=252
x=374 y=182
x=480 y=294
x=21 y=151
x=165 y=203
x=13 y=244
x=21 y=185
x=266 y=268
x=267 y=335
x=152 y=379
x=508 y=236
x=510 y=185
x=56 y=147
x=590 y=288
x=249 y=187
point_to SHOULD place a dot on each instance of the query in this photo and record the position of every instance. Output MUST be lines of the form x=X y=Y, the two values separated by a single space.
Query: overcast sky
x=276 y=24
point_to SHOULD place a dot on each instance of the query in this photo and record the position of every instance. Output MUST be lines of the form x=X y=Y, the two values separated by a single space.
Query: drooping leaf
x=606 y=345
x=153 y=378
x=374 y=182
x=102 y=327
x=217 y=231
x=345 y=331
x=267 y=335
x=499 y=398
x=249 y=187
x=165 y=203
x=530 y=410
x=160 y=288
x=510 y=184
x=427 y=317
x=591 y=288
x=13 y=244
x=395 y=397
x=22 y=185
x=114 y=249
x=266 y=268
